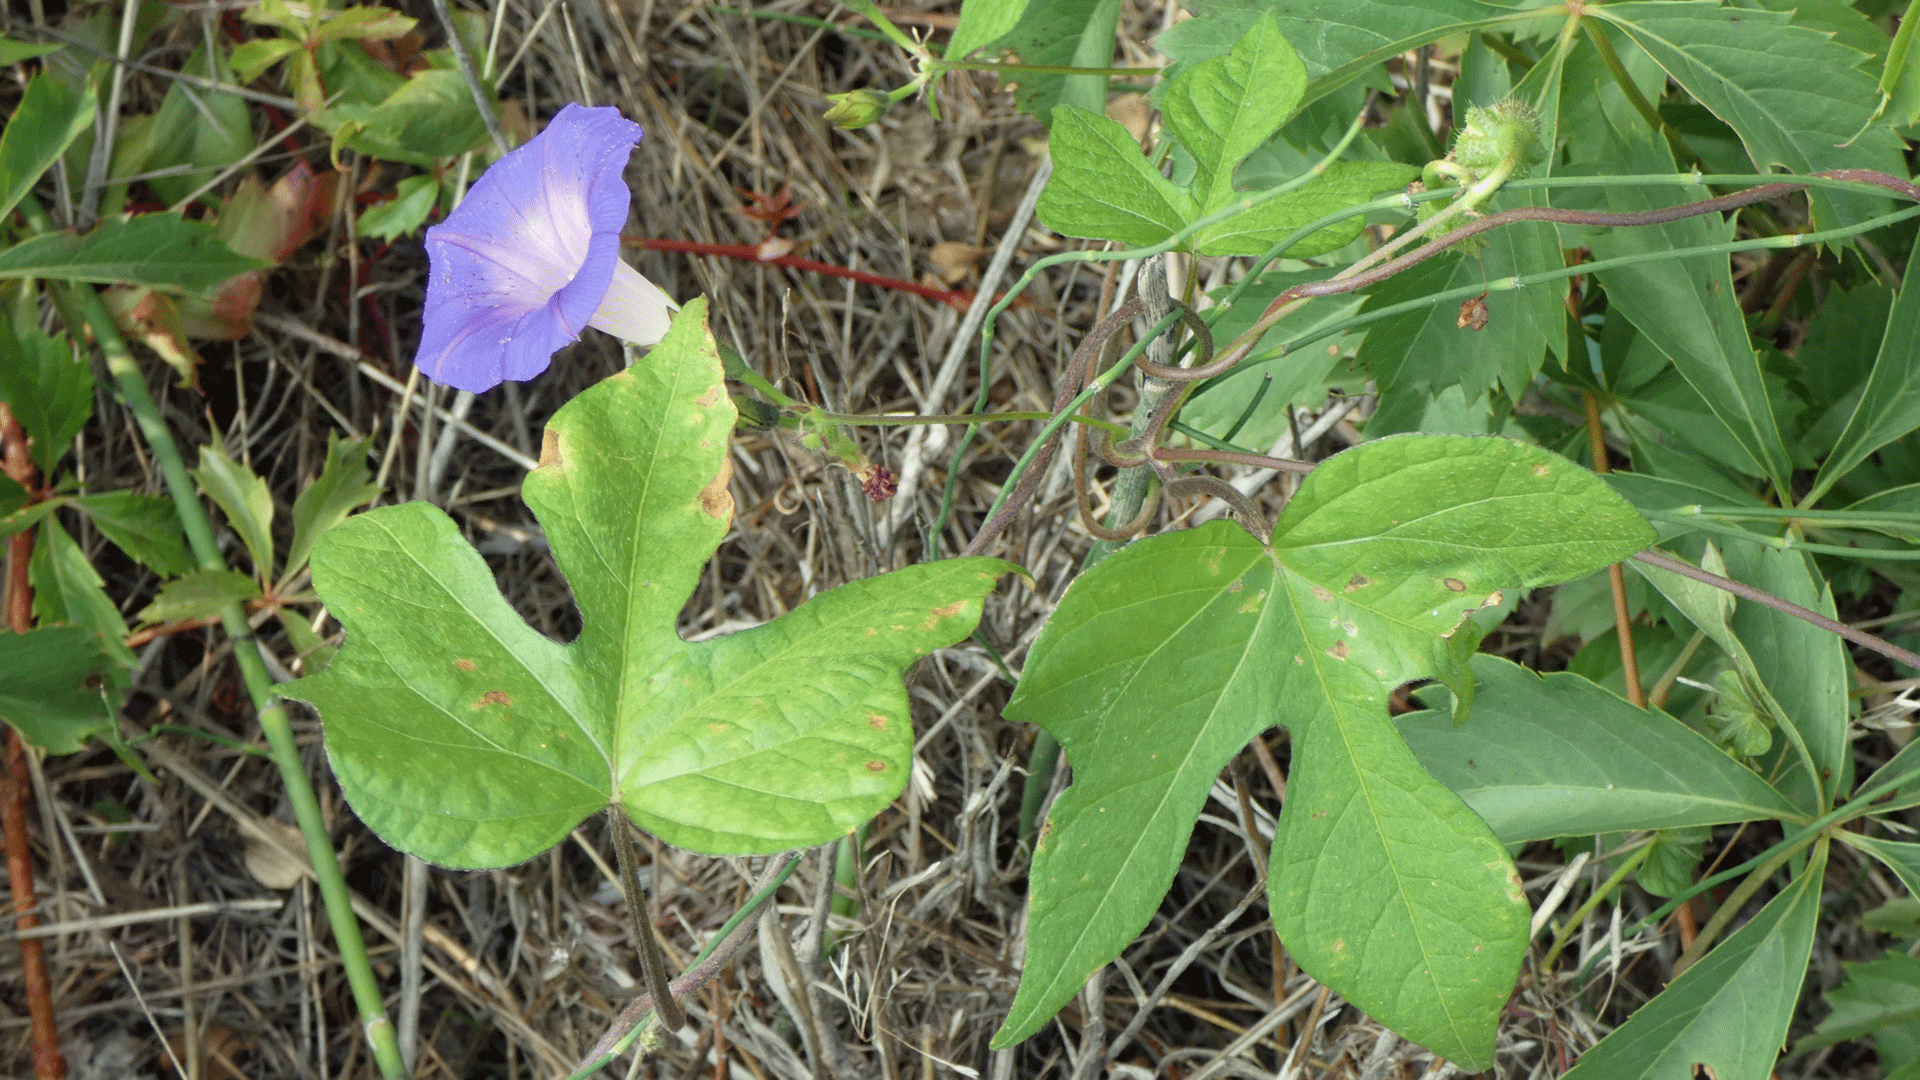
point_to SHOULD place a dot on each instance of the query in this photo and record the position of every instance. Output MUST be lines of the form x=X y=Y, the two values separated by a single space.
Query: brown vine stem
x=1286 y=301
x=1748 y=592
x=1616 y=577
x=49 y=1063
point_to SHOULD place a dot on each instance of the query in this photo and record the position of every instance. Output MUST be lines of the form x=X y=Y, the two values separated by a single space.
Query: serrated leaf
x=50 y=682
x=1730 y=1011
x=1889 y=405
x=1672 y=855
x=146 y=527
x=45 y=122
x=344 y=484
x=202 y=594
x=48 y=392
x=1794 y=96
x=1338 y=40
x=365 y=24
x=1163 y=660
x=1221 y=110
x=1104 y=188
x=1556 y=755
x=1877 y=994
x=163 y=251
x=782 y=736
x=67 y=591
x=429 y=118
x=1688 y=309
x=243 y=496
x=983 y=22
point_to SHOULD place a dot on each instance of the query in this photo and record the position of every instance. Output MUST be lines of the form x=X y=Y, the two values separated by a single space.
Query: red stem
x=959 y=298
x=48 y=1062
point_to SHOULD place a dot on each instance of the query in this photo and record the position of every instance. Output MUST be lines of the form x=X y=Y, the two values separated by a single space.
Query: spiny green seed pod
x=857 y=108
x=1505 y=127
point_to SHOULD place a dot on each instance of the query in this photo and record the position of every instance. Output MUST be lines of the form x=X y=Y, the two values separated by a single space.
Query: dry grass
x=524 y=967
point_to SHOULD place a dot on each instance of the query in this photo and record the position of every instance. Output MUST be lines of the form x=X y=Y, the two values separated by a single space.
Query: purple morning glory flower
x=532 y=256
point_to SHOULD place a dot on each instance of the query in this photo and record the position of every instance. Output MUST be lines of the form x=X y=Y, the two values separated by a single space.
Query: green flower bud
x=1505 y=127
x=857 y=108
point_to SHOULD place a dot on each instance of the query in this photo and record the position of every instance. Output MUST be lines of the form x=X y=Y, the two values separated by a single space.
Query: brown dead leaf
x=1132 y=111
x=953 y=259
x=268 y=864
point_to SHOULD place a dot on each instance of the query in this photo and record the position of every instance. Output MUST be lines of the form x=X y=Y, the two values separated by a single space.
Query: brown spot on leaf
x=493 y=697
x=948 y=611
x=714 y=499
x=1321 y=594
x=877 y=721
x=465 y=664
x=549 y=448
x=1541 y=470
x=1338 y=651
x=1358 y=582
x=876 y=766
x=712 y=395
x=1454 y=584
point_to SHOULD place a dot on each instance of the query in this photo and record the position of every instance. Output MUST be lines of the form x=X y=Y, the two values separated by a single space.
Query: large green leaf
x=1730 y=1011
x=46 y=120
x=1338 y=40
x=983 y=22
x=778 y=737
x=1221 y=110
x=1163 y=660
x=1556 y=755
x=1794 y=95
x=50 y=682
x=49 y=392
x=163 y=251
x=1103 y=186
x=1688 y=309
x=1889 y=406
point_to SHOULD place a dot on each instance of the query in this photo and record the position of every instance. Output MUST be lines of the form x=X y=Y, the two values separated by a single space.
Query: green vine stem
x=274 y=722
x=1606 y=889
x=720 y=949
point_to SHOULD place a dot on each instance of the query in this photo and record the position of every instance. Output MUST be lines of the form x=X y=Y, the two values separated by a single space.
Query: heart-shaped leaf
x=462 y=735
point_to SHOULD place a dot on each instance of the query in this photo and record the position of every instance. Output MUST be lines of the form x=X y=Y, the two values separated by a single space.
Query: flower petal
x=634 y=308
x=522 y=264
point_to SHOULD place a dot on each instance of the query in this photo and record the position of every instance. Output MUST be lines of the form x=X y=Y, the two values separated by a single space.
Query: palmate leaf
x=1162 y=661
x=462 y=735
x=1793 y=95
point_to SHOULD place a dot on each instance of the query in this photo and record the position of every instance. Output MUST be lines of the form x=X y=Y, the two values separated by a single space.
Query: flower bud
x=1500 y=129
x=857 y=108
